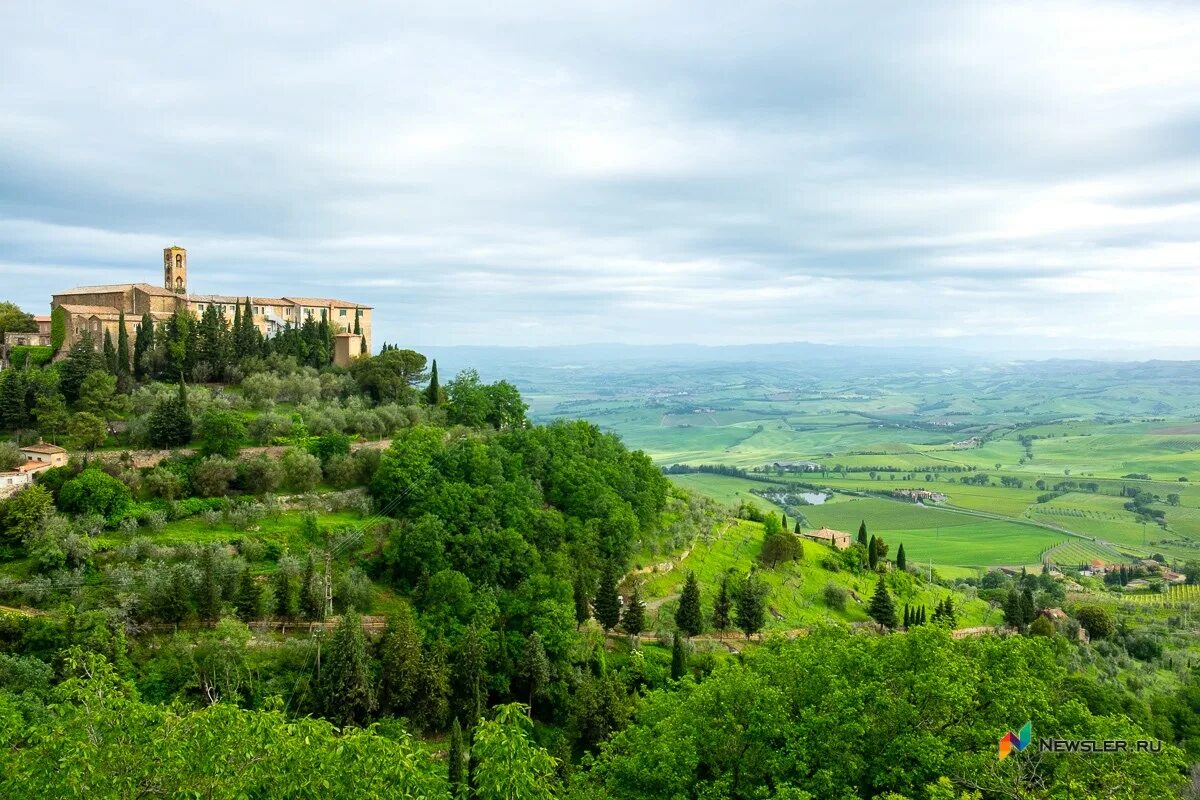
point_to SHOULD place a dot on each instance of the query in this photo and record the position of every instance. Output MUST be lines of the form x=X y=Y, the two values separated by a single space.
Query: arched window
x=179 y=260
x=179 y=284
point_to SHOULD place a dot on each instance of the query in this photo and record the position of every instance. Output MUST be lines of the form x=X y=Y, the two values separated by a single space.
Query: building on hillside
x=839 y=540
x=797 y=466
x=38 y=457
x=97 y=309
x=38 y=338
x=919 y=496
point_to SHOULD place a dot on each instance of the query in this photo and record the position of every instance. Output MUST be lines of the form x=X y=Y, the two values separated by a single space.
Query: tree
x=82 y=360
x=301 y=470
x=347 y=690
x=13 y=412
x=390 y=376
x=213 y=476
x=1028 y=608
x=687 y=616
x=1014 y=615
x=110 y=353
x=171 y=421
x=23 y=515
x=470 y=674
x=14 y=320
x=535 y=668
x=433 y=393
x=901 y=560
x=1042 y=627
x=249 y=602
x=286 y=583
x=208 y=598
x=143 y=346
x=95 y=492
x=752 y=605
x=583 y=611
x=606 y=606
x=881 y=609
x=50 y=413
x=312 y=585
x=872 y=554
x=722 y=606
x=678 y=657
x=506 y=763
x=87 y=431
x=400 y=662
x=97 y=395
x=633 y=620
x=1096 y=620
x=221 y=432
x=458 y=784
x=124 y=357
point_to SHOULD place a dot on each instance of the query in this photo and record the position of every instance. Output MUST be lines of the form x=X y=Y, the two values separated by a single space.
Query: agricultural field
x=1117 y=428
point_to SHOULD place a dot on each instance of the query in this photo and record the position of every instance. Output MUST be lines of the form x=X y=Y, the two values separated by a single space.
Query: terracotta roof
x=42 y=318
x=48 y=449
x=119 y=287
x=324 y=301
x=827 y=533
x=33 y=466
x=230 y=299
x=74 y=309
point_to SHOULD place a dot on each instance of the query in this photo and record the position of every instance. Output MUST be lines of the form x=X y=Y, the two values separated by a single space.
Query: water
x=814 y=498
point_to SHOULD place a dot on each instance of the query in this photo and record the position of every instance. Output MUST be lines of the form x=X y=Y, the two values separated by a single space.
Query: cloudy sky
x=1021 y=176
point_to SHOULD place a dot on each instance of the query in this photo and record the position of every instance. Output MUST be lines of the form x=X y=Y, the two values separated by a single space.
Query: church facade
x=97 y=309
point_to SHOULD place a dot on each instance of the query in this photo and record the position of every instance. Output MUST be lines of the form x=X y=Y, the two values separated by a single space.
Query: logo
x=1011 y=741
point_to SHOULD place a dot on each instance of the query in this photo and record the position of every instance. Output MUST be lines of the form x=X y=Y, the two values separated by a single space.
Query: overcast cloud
x=999 y=174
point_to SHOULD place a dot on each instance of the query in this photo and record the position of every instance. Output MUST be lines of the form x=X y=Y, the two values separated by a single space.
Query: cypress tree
x=209 y=599
x=687 y=616
x=633 y=620
x=783 y=521
x=721 y=606
x=907 y=617
x=469 y=677
x=872 y=554
x=346 y=686
x=797 y=526
x=249 y=597
x=678 y=657
x=923 y=620
x=583 y=611
x=400 y=661
x=433 y=393
x=1013 y=614
x=881 y=608
x=752 y=606
x=901 y=561
x=606 y=607
x=862 y=533
x=143 y=344
x=535 y=667
x=312 y=595
x=1028 y=609
x=358 y=324
x=123 y=355
x=110 y=353
x=458 y=786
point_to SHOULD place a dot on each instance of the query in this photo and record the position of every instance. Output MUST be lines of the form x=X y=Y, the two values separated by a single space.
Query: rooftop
x=42 y=447
x=324 y=301
x=119 y=287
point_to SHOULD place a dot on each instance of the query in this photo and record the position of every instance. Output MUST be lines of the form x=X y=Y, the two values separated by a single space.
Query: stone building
x=97 y=308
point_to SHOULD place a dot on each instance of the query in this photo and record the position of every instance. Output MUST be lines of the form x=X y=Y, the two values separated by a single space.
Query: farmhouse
x=839 y=540
x=797 y=466
x=37 y=458
x=919 y=495
x=98 y=309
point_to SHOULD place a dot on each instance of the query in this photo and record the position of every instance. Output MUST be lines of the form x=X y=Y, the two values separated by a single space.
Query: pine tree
x=872 y=554
x=287 y=592
x=721 y=606
x=346 y=686
x=458 y=786
x=687 y=616
x=752 y=605
x=633 y=620
x=678 y=657
x=922 y=620
x=535 y=667
x=606 y=607
x=583 y=611
x=881 y=609
x=862 y=533
x=901 y=561
x=433 y=393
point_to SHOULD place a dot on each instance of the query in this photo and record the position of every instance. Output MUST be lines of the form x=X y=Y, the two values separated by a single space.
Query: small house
x=839 y=540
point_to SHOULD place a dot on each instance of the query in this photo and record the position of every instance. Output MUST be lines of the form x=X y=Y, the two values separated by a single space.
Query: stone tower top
x=175 y=269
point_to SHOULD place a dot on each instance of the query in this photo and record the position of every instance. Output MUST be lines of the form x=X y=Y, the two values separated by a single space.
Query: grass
x=796 y=598
x=284 y=530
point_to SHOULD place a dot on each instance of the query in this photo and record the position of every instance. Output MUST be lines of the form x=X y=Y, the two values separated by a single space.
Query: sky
x=1017 y=177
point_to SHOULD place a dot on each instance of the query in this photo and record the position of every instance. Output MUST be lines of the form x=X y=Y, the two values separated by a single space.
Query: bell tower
x=175 y=269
